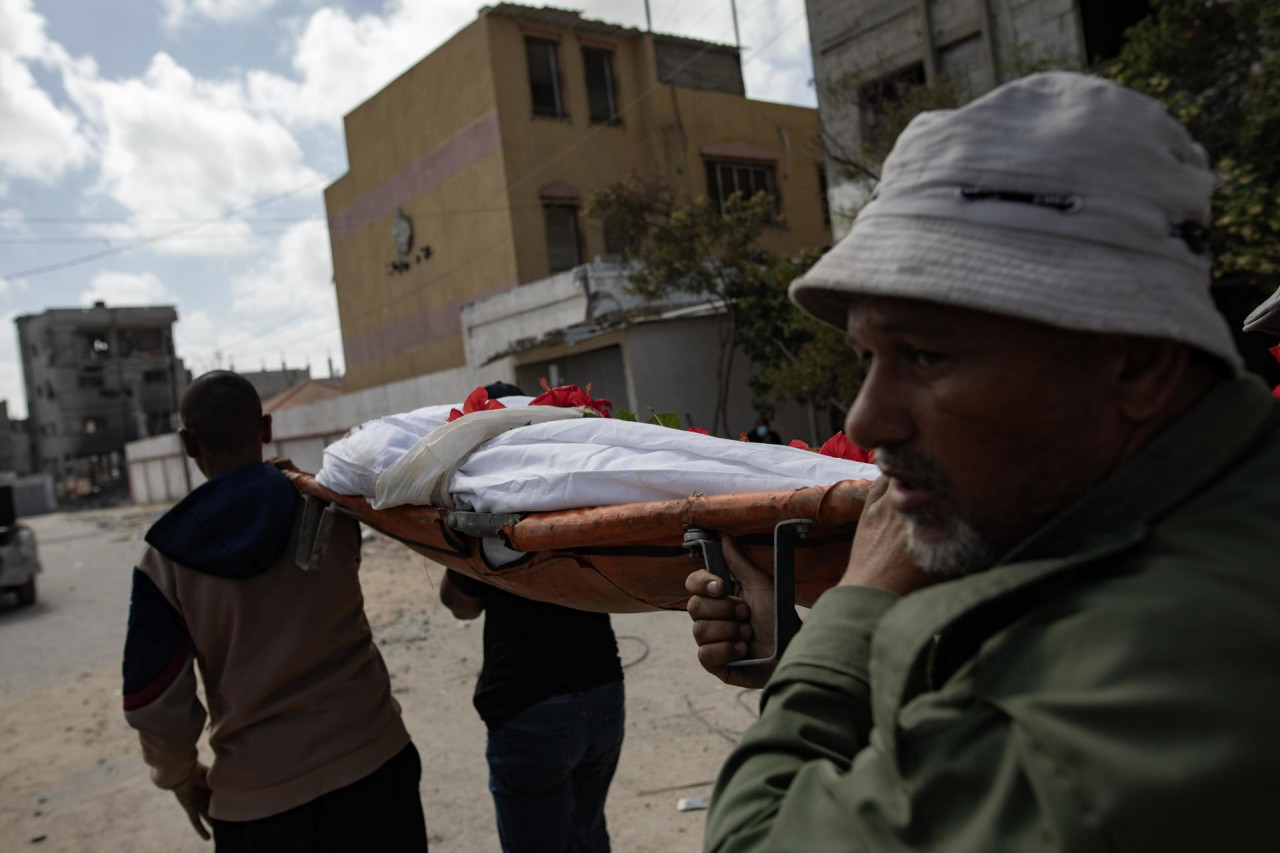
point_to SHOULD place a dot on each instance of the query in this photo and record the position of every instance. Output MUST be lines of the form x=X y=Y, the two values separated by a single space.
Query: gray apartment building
x=96 y=379
x=868 y=51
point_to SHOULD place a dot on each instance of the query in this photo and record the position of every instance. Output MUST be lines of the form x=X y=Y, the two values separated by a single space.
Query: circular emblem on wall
x=402 y=231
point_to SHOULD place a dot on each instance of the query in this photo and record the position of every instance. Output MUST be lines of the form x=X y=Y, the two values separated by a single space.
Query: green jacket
x=1114 y=685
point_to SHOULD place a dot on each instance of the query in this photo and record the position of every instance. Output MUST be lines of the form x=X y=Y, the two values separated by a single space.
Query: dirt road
x=70 y=771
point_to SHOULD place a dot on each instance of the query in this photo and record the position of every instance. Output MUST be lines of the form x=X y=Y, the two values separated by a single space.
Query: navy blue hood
x=234 y=526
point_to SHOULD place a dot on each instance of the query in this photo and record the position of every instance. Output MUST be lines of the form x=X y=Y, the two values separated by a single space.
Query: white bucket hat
x=1060 y=198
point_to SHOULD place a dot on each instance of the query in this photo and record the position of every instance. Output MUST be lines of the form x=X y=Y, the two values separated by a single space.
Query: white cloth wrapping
x=602 y=462
x=541 y=458
x=421 y=476
x=353 y=463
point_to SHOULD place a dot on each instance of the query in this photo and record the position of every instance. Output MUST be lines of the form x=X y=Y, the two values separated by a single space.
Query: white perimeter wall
x=671 y=368
x=156 y=470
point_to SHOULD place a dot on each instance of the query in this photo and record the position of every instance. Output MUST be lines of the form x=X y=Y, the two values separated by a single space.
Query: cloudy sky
x=175 y=151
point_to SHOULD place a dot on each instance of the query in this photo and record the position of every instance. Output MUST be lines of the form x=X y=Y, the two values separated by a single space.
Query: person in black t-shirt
x=550 y=693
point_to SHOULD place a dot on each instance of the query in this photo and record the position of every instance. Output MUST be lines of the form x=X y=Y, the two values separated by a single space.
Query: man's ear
x=1148 y=374
x=189 y=445
x=266 y=429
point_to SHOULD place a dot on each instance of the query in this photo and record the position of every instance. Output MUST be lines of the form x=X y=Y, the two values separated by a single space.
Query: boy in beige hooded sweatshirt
x=309 y=749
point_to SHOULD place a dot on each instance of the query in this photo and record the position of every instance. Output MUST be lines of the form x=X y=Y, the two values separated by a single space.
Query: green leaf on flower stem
x=666 y=419
x=624 y=415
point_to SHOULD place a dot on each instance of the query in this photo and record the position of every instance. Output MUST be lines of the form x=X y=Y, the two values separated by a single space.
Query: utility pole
x=648 y=17
x=737 y=37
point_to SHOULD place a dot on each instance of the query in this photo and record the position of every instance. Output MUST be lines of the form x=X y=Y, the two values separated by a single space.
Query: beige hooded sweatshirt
x=299 y=700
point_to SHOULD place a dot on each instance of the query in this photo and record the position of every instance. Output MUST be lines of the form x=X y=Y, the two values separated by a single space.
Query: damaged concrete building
x=97 y=378
x=868 y=54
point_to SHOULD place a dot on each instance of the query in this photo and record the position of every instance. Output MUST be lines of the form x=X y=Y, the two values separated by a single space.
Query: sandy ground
x=72 y=779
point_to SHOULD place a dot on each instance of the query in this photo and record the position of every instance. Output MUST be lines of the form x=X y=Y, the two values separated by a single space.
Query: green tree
x=1216 y=66
x=795 y=358
x=695 y=248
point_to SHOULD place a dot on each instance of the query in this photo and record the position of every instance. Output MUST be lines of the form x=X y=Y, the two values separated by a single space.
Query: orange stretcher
x=616 y=559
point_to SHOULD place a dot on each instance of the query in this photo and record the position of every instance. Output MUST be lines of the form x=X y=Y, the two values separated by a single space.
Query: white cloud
x=281 y=308
x=13 y=219
x=40 y=141
x=341 y=61
x=777 y=64
x=180 y=149
x=121 y=289
x=22 y=31
x=298 y=274
x=169 y=146
x=179 y=12
x=17 y=285
x=195 y=337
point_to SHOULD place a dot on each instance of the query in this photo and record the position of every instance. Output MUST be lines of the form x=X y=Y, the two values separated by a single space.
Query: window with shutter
x=602 y=97
x=544 y=77
x=563 y=250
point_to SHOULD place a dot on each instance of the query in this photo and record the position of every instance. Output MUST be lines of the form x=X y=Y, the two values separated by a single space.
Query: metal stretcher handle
x=313 y=538
x=704 y=544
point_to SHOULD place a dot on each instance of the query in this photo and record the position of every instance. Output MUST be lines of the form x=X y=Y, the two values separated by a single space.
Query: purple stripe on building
x=464 y=149
x=433 y=325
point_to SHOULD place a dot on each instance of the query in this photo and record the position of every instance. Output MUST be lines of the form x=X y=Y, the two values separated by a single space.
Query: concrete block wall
x=872 y=38
x=1033 y=30
x=967 y=62
x=697 y=65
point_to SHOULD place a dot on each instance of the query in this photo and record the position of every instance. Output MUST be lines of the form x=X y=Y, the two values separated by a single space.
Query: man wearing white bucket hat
x=1060 y=624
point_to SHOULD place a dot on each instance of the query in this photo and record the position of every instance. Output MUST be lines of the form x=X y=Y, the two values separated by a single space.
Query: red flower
x=477 y=401
x=1275 y=351
x=571 y=396
x=742 y=436
x=802 y=445
x=1275 y=392
x=699 y=430
x=841 y=447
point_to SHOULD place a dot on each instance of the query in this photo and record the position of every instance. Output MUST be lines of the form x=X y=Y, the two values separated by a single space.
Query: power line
x=116 y=250
x=108 y=220
x=48 y=241
x=526 y=177
x=756 y=53
x=676 y=4
x=95 y=220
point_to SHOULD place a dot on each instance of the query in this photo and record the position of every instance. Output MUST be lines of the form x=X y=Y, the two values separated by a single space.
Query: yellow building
x=466 y=174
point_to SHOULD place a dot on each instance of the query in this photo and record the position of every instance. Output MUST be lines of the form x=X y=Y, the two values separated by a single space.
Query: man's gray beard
x=961 y=552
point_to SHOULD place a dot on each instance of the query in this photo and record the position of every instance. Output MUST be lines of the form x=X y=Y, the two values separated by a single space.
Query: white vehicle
x=19 y=563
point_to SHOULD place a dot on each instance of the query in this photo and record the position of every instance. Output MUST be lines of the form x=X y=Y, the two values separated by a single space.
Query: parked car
x=19 y=563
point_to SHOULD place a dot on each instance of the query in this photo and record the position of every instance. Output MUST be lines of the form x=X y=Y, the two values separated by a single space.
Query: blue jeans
x=549 y=772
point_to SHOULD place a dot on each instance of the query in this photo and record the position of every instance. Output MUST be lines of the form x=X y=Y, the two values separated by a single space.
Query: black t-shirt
x=534 y=650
